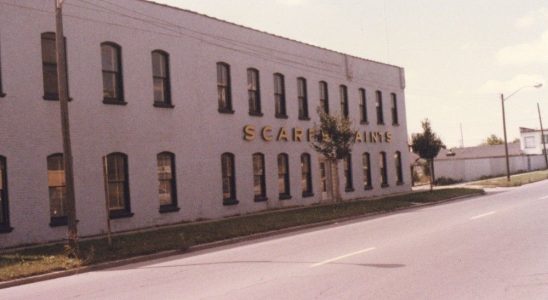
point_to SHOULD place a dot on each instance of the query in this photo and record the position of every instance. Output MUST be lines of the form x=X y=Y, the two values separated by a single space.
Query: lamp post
x=502 y=99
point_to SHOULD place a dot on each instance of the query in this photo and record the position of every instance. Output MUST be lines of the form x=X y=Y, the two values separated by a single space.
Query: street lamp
x=502 y=99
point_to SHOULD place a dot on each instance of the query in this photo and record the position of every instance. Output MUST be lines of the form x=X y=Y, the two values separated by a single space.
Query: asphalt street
x=490 y=247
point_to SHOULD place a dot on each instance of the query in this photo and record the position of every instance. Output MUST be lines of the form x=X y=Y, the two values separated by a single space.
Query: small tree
x=334 y=139
x=427 y=145
x=493 y=140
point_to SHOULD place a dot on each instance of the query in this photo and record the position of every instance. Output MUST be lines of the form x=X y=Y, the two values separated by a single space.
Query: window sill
x=260 y=198
x=307 y=194
x=5 y=229
x=364 y=122
x=2 y=95
x=399 y=183
x=384 y=185
x=228 y=202
x=304 y=118
x=163 y=105
x=255 y=114
x=114 y=101
x=284 y=197
x=169 y=208
x=226 y=111
x=349 y=190
x=368 y=188
x=380 y=123
x=280 y=116
x=53 y=98
x=119 y=214
x=58 y=221
x=395 y=124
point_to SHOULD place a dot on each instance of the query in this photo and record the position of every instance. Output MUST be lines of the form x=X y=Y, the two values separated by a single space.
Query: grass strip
x=44 y=259
x=515 y=180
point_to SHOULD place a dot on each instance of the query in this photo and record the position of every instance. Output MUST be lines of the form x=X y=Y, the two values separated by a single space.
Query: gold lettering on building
x=388 y=136
x=310 y=135
x=249 y=132
x=282 y=135
x=358 y=138
x=373 y=137
x=297 y=134
x=266 y=133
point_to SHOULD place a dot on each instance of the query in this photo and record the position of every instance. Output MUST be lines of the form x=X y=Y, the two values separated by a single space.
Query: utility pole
x=505 y=139
x=72 y=230
x=542 y=139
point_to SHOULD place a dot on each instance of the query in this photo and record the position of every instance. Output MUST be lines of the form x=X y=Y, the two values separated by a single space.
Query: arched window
x=224 y=89
x=160 y=79
x=57 y=190
x=49 y=66
x=383 y=170
x=117 y=182
x=259 y=178
x=349 y=184
x=394 y=109
x=366 y=163
x=279 y=96
x=111 y=61
x=343 y=90
x=306 y=176
x=254 y=92
x=4 y=207
x=378 y=106
x=397 y=163
x=363 y=107
x=283 y=177
x=228 y=179
x=324 y=97
x=303 y=99
x=167 y=182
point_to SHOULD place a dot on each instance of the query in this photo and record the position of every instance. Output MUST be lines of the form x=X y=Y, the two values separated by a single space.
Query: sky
x=458 y=56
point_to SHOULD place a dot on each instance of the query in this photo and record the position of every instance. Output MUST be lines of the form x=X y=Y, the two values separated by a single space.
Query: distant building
x=531 y=140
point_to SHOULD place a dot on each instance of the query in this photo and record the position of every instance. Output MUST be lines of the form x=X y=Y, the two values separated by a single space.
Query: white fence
x=470 y=169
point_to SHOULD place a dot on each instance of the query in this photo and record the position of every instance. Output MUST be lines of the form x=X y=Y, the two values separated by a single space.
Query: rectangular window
x=224 y=88
x=394 y=109
x=530 y=142
x=349 y=185
x=303 y=99
x=382 y=164
x=117 y=182
x=254 y=92
x=167 y=183
x=2 y=94
x=259 y=180
x=283 y=176
x=306 y=176
x=111 y=61
x=160 y=79
x=324 y=97
x=363 y=107
x=4 y=209
x=545 y=140
x=378 y=106
x=366 y=171
x=228 y=179
x=344 y=100
x=279 y=96
x=57 y=190
x=49 y=66
x=399 y=171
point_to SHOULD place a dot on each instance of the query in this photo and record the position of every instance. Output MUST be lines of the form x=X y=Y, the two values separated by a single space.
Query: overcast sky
x=458 y=55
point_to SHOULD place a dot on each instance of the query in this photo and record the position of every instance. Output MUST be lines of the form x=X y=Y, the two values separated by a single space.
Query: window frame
x=363 y=106
x=124 y=212
x=347 y=167
x=395 y=117
x=398 y=167
x=280 y=107
x=366 y=167
x=286 y=193
x=52 y=96
x=118 y=75
x=173 y=206
x=324 y=96
x=166 y=80
x=302 y=96
x=379 y=108
x=343 y=93
x=231 y=200
x=306 y=176
x=261 y=177
x=2 y=94
x=4 y=197
x=383 y=168
x=63 y=219
x=226 y=106
x=254 y=92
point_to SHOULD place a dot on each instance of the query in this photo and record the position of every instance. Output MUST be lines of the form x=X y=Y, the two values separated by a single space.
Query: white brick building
x=197 y=118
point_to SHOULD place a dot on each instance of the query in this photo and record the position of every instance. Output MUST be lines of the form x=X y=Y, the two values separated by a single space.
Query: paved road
x=492 y=247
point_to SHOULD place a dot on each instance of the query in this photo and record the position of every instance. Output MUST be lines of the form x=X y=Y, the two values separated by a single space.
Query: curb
x=200 y=247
